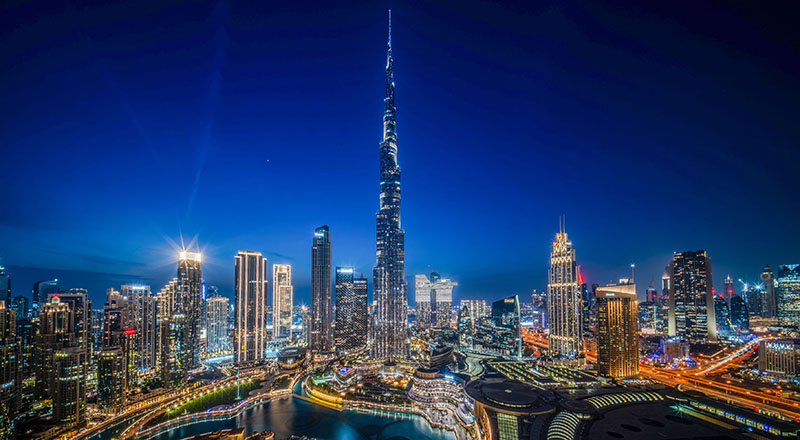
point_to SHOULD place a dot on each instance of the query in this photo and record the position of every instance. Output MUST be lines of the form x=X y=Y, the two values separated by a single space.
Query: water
x=295 y=416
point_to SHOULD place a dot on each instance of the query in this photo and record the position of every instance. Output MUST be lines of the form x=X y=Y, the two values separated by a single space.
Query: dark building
x=10 y=369
x=740 y=317
x=722 y=316
x=691 y=301
x=351 y=311
x=389 y=287
x=769 y=304
x=5 y=286
x=506 y=329
x=321 y=290
x=19 y=304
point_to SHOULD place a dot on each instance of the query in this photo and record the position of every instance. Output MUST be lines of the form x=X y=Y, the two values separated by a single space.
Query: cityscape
x=389 y=350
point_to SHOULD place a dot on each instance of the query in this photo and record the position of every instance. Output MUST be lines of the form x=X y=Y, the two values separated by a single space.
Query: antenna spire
x=390 y=27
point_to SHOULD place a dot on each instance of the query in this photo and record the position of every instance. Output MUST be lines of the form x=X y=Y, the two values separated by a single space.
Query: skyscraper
x=56 y=332
x=69 y=391
x=389 y=287
x=727 y=289
x=506 y=328
x=41 y=289
x=10 y=369
x=250 y=285
x=617 y=331
x=143 y=314
x=282 y=301
x=434 y=299
x=740 y=317
x=112 y=378
x=564 y=302
x=691 y=300
x=188 y=302
x=788 y=293
x=351 y=311
x=723 y=317
x=321 y=290
x=769 y=304
x=217 y=321
x=5 y=286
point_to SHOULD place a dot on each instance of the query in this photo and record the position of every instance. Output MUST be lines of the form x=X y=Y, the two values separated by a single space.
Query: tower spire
x=390 y=28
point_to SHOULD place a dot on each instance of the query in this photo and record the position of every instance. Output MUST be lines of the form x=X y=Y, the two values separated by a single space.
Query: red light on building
x=129 y=331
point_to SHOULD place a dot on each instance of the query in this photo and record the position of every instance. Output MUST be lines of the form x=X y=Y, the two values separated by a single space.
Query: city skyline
x=154 y=222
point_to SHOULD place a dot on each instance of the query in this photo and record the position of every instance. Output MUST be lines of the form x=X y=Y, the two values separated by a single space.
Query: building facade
x=788 y=293
x=250 y=287
x=389 y=286
x=780 y=357
x=617 y=331
x=351 y=311
x=282 y=295
x=321 y=336
x=564 y=303
x=691 y=300
x=770 y=303
x=434 y=300
x=217 y=325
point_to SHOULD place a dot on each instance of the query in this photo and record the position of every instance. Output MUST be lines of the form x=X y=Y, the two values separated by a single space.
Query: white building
x=434 y=298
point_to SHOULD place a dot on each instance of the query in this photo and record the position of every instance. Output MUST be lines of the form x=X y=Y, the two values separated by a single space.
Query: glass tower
x=188 y=302
x=281 y=301
x=390 y=289
x=351 y=311
x=250 y=285
x=321 y=290
x=691 y=300
x=617 y=331
x=788 y=293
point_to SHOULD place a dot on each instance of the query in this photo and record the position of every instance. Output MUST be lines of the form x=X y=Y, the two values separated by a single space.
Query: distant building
x=722 y=316
x=143 y=313
x=727 y=288
x=351 y=311
x=564 y=301
x=477 y=308
x=434 y=300
x=754 y=297
x=282 y=296
x=780 y=357
x=41 y=290
x=770 y=303
x=10 y=372
x=788 y=293
x=250 y=286
x=5 y=286
x=217 y=324
x=691 y=301
x=19 y=304
x=321 y=290
x=740 y=317
x=617 y=331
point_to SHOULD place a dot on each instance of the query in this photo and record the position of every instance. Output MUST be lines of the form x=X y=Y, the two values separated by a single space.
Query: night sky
x=653 y=128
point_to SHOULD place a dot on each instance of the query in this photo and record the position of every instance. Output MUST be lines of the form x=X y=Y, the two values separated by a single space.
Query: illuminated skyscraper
x=691 y=300
x=321 y=291
x=56 y=332
x=769 y=304
x=250 y=285
x=217 y=321
x=506 y=326
x=281 y=301
x=389 y=287
x=69 y=390
x=564 y=302
x=41 y=290
x=617 y=331
x=434 y=300
x=788 y=293
x=477 y=308
x=10 y=369
x=142 y=312
x=740 y=317
x=351 y=311
x=727 y=289
x=188 y=302
x=112 y=377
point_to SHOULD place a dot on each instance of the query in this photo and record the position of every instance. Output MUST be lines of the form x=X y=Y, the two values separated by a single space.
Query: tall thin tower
x=321 y=290
x=564 y=302
x=282 y=301
x=250 y=284
x=390 y=289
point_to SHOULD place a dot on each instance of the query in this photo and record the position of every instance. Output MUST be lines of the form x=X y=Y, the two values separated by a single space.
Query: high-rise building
x=5 y=286
x=617 y=331
x=188 y=302
x=56 y=332
x=41 y=290
x=723 y=317
x=506 y=326
x=351 y=311
x=564 y=301
x=251 y=306
x=740 y=317
x=465 y=325
x=217 y=324
x=112 y=377
x=321 y=291
x=282 y=296
x=69 y=391
x=115 y=318
x=754 y=297
x=19 y=304
x=10 y=369
x=769 y=303
x=691 y=300
x=727 y=289
x=389 y=286
x=788 y=293
x=80 y=306
x=143 y=312
x=305 y=314
x=434 y=300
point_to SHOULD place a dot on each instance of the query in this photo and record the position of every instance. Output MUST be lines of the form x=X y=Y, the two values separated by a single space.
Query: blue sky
x=245 y=126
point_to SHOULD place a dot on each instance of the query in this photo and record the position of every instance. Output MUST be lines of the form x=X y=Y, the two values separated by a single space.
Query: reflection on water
x=294 y=416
